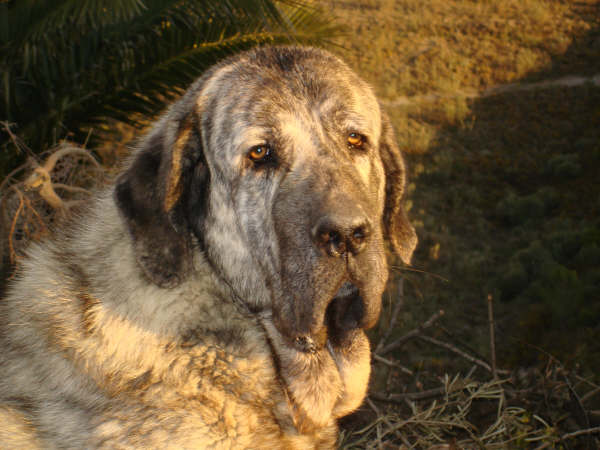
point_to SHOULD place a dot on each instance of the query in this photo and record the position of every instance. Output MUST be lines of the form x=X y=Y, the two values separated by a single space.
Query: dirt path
x=568 y=81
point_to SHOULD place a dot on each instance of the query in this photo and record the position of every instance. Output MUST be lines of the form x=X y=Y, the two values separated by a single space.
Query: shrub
x=564 y=165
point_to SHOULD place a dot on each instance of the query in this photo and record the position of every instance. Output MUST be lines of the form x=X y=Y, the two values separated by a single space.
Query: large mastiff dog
x=217 y=295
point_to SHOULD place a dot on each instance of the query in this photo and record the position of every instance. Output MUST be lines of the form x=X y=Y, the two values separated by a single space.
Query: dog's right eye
x=260 y=153
x=356 y=141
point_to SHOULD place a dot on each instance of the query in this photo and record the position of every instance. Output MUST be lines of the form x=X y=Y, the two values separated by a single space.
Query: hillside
x=497 y=107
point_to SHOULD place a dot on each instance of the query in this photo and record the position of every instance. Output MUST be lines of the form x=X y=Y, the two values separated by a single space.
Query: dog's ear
x=155 y=194
x=397 y=227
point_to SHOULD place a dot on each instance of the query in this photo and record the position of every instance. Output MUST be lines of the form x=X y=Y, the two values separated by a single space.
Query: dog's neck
x=338 y=380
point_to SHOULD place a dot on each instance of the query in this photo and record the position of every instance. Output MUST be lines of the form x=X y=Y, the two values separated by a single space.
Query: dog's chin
x=344 y=319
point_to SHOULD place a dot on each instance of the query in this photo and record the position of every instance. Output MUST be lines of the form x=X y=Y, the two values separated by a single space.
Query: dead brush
x=446 y=422
x=486 y=408
x=37 y=194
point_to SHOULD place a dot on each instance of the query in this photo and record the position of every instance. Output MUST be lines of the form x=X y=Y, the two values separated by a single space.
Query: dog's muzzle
x=344 y=314
x=343 y=250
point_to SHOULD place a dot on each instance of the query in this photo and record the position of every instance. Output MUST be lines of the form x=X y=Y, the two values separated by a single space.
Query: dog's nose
x=341 y=233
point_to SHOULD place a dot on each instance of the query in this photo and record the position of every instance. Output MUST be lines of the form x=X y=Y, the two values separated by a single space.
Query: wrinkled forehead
x=251 y=98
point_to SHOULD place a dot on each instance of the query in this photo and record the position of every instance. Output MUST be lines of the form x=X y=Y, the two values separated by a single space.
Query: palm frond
x=68 y=64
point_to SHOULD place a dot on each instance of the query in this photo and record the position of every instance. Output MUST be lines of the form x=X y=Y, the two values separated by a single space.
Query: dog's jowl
x=216 y=296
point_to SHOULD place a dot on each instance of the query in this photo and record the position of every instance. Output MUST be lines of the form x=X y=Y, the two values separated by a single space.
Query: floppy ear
x=397 y=227
x=155 y=198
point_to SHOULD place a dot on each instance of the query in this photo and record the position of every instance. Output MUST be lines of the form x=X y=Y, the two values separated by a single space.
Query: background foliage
x=69 y=65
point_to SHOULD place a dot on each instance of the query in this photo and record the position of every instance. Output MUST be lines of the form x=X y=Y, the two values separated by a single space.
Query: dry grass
x=410 y=47
x=446 y=421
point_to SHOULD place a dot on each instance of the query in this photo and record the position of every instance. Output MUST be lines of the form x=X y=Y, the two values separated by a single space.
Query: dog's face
x=281 y=165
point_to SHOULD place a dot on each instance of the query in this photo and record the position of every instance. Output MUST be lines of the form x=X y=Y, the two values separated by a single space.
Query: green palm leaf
x=69 y=64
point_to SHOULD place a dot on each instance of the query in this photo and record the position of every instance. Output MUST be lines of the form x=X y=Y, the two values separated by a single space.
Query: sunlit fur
x=165 y=315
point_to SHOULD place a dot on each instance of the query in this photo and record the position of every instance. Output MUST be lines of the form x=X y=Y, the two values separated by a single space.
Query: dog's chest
x=195 y=393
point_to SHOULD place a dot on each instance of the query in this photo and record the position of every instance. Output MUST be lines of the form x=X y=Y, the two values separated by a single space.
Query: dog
x=217 y=295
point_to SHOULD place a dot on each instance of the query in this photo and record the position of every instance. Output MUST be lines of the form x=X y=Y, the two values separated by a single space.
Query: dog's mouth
x=344 y=315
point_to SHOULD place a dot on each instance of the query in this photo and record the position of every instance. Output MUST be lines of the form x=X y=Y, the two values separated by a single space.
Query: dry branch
x=387 y=362
x=581 y=433
x=590 y=394
x=400 y=398
x=411 y=334
x=387 y=422
x=11 y=248
x=492 y=335
x=456 y=350
x=397 y=307
x=41 y=181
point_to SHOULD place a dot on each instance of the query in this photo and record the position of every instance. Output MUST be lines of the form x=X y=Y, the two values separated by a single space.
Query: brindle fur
x=195 y=304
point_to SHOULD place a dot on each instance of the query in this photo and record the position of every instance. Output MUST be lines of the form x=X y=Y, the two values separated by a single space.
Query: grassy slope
x=504 y=188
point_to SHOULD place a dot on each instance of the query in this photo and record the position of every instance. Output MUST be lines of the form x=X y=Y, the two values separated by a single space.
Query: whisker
x=401 y=269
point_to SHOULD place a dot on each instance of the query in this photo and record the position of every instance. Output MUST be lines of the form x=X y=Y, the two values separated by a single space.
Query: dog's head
x=280 y=164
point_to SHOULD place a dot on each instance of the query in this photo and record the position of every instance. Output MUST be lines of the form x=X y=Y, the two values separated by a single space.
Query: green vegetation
x=70 y=65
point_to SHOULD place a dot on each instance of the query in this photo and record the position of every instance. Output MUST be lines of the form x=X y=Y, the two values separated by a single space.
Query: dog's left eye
x=356 y=140
x=260 y=153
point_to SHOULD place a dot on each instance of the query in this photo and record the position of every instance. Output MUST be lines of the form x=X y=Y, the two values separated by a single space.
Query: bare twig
x=581 y=415
x=456 y=350
x=40 y=180
x=66 y=150
x=414 y=269
x=581 y=433
x=586 y=381
x=471 y=372
x=377 y=430
x=399 y=435
x=387 y=362
x=11 y=249
x=35 y=214
x=411 y=334
x=16 y=141
x=73 y=189
x=397 y=307
x=492 y=335
x=590 y=394
x=400 y=398
x=10 y=176
x=87 y=138
x=460 y=342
